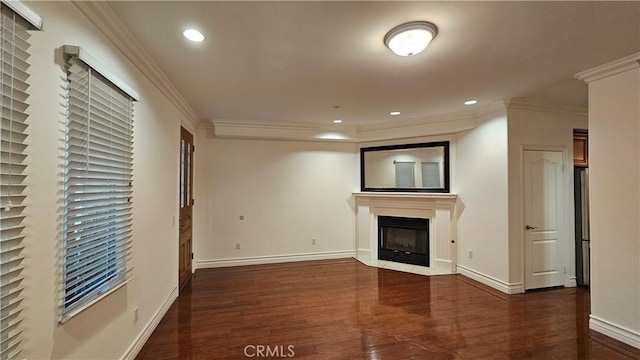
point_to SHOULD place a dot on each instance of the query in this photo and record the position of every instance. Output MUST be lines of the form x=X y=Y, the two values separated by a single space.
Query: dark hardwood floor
x=341 y=309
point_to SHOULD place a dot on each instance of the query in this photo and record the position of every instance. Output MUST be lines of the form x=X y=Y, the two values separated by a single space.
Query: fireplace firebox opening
x=404 y=240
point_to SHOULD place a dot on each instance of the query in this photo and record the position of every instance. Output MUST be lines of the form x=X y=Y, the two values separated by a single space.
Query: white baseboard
x=617 y=332
x=491 y=281
x=441 y=266
x=257 y=260
x=142 y=338
x=364 y=256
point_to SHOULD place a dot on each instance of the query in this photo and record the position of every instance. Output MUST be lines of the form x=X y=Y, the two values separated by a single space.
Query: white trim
x=239 y=129
x=81 y=54
x=434 y=119
x=615 y=331
x=403 y=195
x=364 y=256
x=535 y=105
x=505 y=287
x=103 y=17
x=65 y=317
x=144 y=335
x=429 y=125
x=272 y=259
x=25 y=12
x=609 y=69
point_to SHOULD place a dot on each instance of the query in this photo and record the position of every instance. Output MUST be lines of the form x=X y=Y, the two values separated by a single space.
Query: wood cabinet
x=581 y=148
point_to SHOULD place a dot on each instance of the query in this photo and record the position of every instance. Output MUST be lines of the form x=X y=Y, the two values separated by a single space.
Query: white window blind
x=405 y=174
x=98 y=188
x=14 y=74
x=431 y=175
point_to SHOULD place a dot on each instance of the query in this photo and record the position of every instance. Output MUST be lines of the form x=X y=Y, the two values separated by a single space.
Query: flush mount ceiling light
x=193 y=35
x=337 y=121
x=471 y=102
x=394 y=113
x=410 y=38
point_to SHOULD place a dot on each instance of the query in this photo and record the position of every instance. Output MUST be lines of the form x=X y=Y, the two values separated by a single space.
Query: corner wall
x=108 y=329
x=482 y=207
x=614 y=175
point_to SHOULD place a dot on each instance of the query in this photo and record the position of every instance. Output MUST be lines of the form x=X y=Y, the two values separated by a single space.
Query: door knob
x=529 y=227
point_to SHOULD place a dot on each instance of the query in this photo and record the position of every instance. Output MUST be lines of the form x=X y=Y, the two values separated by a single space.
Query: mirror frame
x=444 y=189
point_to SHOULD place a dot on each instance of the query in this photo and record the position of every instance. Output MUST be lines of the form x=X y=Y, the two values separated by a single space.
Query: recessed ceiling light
x=471 y=102
x=193 y=35
x=337 y=121
x=394 y=113
x=410 y=38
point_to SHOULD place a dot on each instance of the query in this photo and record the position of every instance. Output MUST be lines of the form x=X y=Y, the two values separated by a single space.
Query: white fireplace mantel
x=438 y=208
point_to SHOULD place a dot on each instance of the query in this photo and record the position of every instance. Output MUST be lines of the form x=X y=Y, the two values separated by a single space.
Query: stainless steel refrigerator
x=581 y=196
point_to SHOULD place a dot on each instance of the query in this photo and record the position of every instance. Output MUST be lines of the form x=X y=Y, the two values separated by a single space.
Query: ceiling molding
x=207 y=126
x=279 y=131
x=105 y=19
x=415 y=129
x=536 y=105
x=609 y=69
x=389 y=130
x=432 y=119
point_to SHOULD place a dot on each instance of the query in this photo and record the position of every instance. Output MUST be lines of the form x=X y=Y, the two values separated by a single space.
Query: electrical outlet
x=313 y=241
x=135 y=314
x=237 y=246
x=470 y=254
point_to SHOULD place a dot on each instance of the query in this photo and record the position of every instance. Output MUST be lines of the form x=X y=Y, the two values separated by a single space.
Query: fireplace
x=404 y=240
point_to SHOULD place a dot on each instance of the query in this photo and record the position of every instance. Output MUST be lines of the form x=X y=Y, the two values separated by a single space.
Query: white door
x=543 y=219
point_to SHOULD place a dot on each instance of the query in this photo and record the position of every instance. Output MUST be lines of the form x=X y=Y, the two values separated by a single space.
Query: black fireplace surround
x=404 y=240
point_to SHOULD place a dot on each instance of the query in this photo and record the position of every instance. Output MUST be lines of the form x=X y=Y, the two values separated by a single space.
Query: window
x=98 y=184
x=405 y=174
x=14 y=74
x=431 y=174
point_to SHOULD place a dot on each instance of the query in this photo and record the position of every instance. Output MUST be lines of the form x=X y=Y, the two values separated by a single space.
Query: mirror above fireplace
x=421 y=167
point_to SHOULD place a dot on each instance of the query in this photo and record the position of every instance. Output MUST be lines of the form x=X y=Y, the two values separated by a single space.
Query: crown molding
x=433 y=119
x=429 y=125
x=105 y=19
x=390 y=130
x=535 y=105
x=282 y=131
x=207 y=126
x=609 y=69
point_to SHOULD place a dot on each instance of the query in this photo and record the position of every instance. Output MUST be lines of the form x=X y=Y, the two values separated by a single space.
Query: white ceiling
x=292 y=62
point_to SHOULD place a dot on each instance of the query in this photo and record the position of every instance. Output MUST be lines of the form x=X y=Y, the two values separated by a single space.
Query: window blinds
x=431 y=175
x=98 y=180
x=14 y=72
x=405 y=174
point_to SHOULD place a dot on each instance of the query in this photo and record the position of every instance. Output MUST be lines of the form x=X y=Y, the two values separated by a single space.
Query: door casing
x=185 y=203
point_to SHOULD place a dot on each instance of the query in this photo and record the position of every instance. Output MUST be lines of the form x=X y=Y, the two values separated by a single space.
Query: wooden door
x=186 y=207
x=543 y=218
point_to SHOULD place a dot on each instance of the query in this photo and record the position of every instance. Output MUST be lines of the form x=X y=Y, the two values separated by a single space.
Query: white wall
x=105 y=330
x=614 y=169
x=288 y=192
x=482 y=207
x=547 y=129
